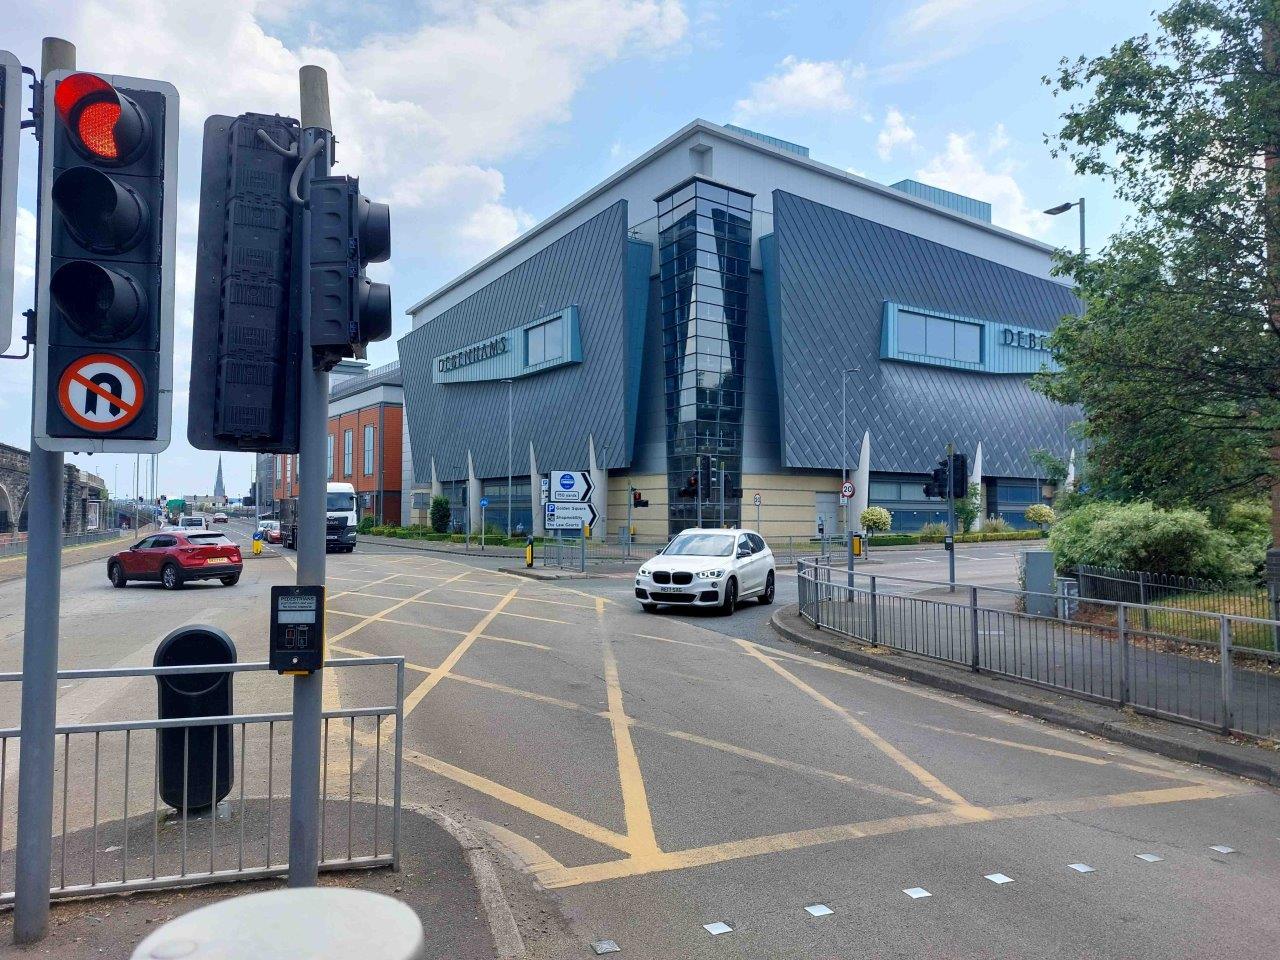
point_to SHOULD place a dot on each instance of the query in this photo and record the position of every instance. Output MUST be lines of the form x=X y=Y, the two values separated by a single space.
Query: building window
x=939 y=338
x=368 y=450
x=347 y=440
x=544 y=341
x=704 y=256
x=288 y=475
x=328 y=456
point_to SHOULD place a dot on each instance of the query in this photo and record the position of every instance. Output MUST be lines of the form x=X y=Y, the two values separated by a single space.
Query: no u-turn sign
x=101 y=392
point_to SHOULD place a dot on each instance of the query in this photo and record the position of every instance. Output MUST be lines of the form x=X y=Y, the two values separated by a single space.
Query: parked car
x=219 y=518
x=174 y=558
x=270 y=529
x=708 y=568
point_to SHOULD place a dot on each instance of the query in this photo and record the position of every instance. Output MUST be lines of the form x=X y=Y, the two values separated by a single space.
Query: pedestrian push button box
x=297 y=629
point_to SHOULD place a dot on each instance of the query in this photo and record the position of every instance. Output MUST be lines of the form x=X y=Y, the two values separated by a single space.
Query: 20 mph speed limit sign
x=101 y=392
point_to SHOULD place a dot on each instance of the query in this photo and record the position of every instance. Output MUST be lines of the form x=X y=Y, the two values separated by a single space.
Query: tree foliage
x=440 y=514
x=1176 y=356
x=876 y=520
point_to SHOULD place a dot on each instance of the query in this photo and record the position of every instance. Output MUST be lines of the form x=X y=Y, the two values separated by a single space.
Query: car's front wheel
x=766 y=598
x=170 y=579
x=116 y=573
x=730 y=597
x=649 y=607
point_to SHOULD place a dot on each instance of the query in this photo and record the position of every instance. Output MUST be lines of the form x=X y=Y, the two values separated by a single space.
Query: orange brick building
x=366 y=437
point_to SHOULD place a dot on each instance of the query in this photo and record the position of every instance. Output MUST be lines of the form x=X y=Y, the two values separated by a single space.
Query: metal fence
x=1185 y=596
x=16 y=545
x=573 y=552
x=113 y=833
x=1228 y=682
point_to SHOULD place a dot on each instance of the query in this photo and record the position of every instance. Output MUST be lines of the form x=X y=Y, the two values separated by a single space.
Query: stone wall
x=79 y=488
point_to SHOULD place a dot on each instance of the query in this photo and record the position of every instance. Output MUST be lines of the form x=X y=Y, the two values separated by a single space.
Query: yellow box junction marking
x=923 y=776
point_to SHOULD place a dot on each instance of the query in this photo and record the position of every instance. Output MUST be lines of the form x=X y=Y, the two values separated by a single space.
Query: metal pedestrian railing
x=113 y=832
x=573 y=552
x=16 y=544
x=1223 y=675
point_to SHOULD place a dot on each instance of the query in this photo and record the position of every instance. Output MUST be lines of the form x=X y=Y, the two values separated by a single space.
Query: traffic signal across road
x=105 y=271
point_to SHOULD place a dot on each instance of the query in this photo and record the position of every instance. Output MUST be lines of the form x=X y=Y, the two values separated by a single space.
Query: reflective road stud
x=917 y=893
x=1149 y=857
x=1081 y=867
x=819 y=910
x=998 y=878
x=717 y=928
x=1222 y=848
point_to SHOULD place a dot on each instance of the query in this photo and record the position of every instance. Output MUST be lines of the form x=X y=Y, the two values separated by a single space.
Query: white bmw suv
x=708 y=568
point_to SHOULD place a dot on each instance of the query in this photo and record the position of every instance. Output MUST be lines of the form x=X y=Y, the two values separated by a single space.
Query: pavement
x=642 y=777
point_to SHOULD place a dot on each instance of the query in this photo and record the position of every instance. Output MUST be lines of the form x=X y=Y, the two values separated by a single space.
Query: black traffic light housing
x=245 y=349
x=637 y=500
x=690 y=489
x=106 y=264
x=348 y=232
x=936 y=488
x=959 y=475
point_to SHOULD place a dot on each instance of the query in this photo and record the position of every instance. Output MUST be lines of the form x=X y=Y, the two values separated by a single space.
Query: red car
x=173 y=557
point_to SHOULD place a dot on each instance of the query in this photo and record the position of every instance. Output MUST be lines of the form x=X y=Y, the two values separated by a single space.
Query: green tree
x=1176 y=356
x=967 y=508
x=876 y=520
x=440 y=514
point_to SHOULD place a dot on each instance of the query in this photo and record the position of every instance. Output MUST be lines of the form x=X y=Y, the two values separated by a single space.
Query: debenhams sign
x=469 y=355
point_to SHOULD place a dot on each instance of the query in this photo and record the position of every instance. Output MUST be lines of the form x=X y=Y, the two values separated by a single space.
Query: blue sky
x=477 y=119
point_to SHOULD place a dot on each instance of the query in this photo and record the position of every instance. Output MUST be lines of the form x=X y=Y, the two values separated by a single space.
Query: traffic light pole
x=39 y=651
x=308 y=689
x=951 y=515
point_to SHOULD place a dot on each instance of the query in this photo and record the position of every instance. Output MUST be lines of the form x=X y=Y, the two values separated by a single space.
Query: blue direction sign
x=484 y=501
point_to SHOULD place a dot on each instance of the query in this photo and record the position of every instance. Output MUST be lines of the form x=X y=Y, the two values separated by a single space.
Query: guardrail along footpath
x=126 y=818
x=1215 y=670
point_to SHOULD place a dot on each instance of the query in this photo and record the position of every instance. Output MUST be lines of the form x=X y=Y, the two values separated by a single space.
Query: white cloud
x=964 y=15
x=895 y=133
x=988 y=177
x=803 y=86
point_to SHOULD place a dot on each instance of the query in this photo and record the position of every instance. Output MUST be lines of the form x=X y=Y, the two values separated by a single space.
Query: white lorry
x=340 y=519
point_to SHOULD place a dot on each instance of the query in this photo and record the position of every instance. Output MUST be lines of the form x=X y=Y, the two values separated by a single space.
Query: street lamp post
x=510 y=386
x=1063 y=208
x=844 y=443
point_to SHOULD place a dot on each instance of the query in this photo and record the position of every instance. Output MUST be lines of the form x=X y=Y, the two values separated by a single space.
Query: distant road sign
x=101 y=392
x=570 y=486
x=484 y=501
x=569 y=516
x=846 y=491
x=756 y=499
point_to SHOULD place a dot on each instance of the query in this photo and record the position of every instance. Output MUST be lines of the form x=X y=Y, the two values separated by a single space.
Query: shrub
x=876 y=520
x=440 y=514
x=1137 y=536
x=367 y=523
x=997 y=525
x=935 y=531
x=893 y=539
x=1040 y=514
x=457 y=538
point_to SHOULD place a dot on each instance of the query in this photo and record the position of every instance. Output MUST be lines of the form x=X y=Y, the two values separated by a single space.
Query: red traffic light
x=102 y=123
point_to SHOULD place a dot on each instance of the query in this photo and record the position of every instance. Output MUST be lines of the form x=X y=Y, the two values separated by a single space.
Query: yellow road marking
x=683 y=643
x=923 y=776
x=1171 y=772
x=523 y=599
x=460 y=606
x=521 y=801
x=427 y=685
x=458 y=633
x=635 y=799
x=801 y=839
x=391 y=609
x=345 y=593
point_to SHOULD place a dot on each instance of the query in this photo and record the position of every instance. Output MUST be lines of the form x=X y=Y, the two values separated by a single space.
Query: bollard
x=973 y=626
x=320 y=923
x=528 y=552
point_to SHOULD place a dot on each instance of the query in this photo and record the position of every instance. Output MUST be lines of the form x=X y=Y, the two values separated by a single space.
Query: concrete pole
x=308 y=690
x=844 y=443
x=39 y=653
x=539 y=525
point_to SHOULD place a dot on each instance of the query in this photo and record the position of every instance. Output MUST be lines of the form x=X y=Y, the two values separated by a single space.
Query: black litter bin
x=206 y=752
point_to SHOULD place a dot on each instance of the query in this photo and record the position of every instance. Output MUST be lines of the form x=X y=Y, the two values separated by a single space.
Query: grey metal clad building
x=701 y=307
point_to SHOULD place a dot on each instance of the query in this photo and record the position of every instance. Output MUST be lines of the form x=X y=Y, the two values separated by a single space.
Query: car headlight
x=714 y=574
x=643 y=572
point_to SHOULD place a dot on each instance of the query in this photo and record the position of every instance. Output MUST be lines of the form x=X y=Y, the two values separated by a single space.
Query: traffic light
x=348 y=232
x=637 y=500
x=245 y=351
x=690 y=489
x=10 y=132
x=959 y=475
x=105 y=273
x=936 y=488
